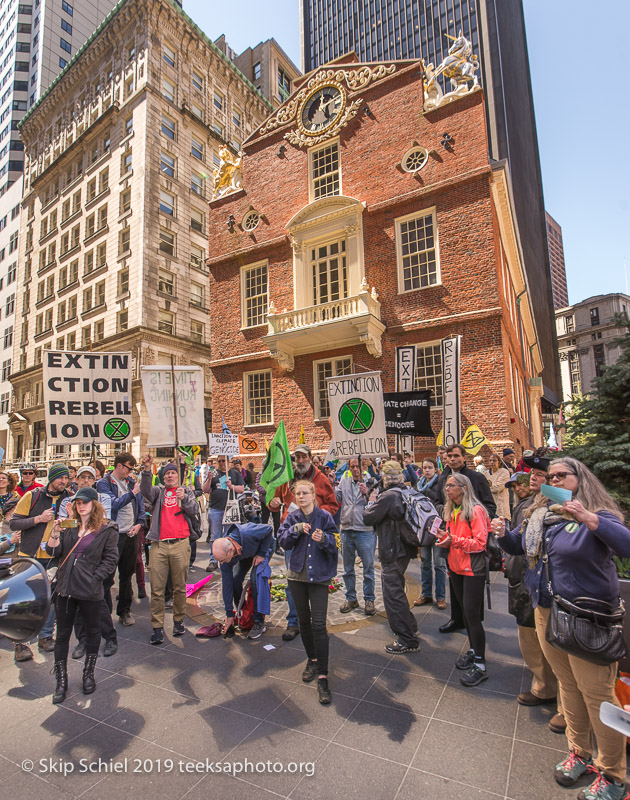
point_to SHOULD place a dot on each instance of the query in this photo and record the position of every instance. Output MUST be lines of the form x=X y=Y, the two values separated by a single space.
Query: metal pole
x=175 y=421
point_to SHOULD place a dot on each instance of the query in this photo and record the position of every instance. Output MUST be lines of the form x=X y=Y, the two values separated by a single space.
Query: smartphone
x=616 y=718
x=69 y=523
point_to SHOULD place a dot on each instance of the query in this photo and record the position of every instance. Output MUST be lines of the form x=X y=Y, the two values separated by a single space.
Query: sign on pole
x=357 y=415
x=87 y=397
x=450 y=390
x=408 y=414
x=157 y=386
x=223 y=444
x=405 y=381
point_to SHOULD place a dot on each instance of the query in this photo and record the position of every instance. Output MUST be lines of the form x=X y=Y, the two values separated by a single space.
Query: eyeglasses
x=558 y=476
x=27 y=473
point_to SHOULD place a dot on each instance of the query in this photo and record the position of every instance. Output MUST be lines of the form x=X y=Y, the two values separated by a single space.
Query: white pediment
x=324 y=210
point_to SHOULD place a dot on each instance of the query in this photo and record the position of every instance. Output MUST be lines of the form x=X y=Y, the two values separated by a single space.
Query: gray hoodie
x=352 y=505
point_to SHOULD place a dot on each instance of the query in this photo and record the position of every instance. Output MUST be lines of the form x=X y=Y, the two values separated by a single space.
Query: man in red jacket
x=325 y=496
x=27 y=480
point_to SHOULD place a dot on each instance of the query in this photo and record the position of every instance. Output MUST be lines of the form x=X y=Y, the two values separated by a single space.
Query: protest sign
x=87 y=397
x=450 y=389
x=408 y=413
x=157 y=386
x=248 y=446
x=223 y=444
x=357 y=415
x=474 y=440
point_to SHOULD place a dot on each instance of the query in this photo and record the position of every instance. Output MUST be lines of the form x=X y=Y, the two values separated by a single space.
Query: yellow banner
x=474 y=440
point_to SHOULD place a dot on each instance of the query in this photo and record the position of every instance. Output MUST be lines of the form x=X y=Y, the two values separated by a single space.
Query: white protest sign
x=223 y=444
x=87 y=397
x=450 y=390
x=157 y=386
x=357 y=415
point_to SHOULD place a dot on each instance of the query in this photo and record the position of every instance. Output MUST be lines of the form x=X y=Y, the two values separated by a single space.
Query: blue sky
x=580 y=76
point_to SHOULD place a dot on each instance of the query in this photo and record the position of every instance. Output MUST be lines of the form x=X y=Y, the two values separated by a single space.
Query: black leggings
x=311 y=604
x=66 y=609
x=469 y=591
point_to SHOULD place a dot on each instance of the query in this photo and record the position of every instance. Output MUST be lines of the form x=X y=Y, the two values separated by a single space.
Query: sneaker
x=463 y=662
x=178 y=629
x=22 y=652
x=46 y=645
x=111 y=647
x=257 y=630
x=157 y=637
x=126 y=618
x=603 y=788
x=474 y=675
x=310 y=671
x=323 y=692
x=396 y=648
x=79 y=651
x=569 y=771
x=291 y=632
x=212 y=566
x=370 y=608
x=348 y=606
x=168 y=603
x=423 y=601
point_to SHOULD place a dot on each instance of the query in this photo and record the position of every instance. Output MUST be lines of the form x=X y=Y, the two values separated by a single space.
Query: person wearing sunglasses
x=578 y=539
x=27 y=480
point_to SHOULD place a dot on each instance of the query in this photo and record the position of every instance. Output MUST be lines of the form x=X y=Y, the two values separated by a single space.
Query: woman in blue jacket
x=311 y=537
x=580 y=553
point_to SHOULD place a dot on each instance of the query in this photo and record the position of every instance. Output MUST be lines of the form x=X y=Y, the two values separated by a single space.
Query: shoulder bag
x=587 y=628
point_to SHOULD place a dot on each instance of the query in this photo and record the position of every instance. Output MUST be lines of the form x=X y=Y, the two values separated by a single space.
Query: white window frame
x=169 y=55
x=317 y=410
x=416 y=385
x=311 y=154
x=246 y=417
x=169 y=90
x=244 y=270
x=425 y=212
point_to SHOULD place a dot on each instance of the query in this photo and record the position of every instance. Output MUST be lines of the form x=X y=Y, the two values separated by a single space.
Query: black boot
x=60 y=671
x=89 y=684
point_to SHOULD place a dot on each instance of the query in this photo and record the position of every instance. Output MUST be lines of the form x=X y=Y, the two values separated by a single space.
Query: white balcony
x=340 y=323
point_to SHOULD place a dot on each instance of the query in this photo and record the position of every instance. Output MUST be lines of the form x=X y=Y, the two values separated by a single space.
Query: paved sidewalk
x=399 y=728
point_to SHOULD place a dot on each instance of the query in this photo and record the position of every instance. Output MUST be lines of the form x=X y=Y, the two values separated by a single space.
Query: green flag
x=278 y=468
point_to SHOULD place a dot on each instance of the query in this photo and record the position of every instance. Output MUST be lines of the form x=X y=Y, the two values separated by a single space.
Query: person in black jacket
x=386 y=514
x=456 y=455
x=87 y=554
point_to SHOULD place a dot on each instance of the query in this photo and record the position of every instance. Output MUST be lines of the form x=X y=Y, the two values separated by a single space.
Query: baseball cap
x=91 y=470
x=302 y=448
x=519 y=477
x=86 y=494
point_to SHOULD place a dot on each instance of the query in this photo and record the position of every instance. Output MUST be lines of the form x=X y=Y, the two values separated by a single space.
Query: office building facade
x=556 y=263
x=398 y=29
x=113 y=242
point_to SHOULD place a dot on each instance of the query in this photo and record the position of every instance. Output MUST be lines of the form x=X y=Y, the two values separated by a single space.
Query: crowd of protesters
x=99 y=525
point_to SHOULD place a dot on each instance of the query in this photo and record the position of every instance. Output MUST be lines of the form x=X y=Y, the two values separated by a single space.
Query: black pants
x=469 y=591
x=239 y=573
x=311 y=604
x=127 y=555
x=66 y=609
x=108 y=632
x=401 y=620
x=457 y=615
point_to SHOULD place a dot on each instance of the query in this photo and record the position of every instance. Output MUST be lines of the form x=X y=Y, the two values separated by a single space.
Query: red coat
x=467 y=554
x=22 y=491
x=324 y=493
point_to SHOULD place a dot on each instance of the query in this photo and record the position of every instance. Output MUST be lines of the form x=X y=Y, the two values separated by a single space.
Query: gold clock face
x=322 y=109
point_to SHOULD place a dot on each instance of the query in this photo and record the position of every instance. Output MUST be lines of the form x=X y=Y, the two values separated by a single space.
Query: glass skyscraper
x=383 y=30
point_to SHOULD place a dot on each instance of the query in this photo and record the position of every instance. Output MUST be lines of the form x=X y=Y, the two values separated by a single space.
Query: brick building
x=364 y=223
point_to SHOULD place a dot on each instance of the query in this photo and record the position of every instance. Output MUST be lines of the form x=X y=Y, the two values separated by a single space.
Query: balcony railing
x=364 y=303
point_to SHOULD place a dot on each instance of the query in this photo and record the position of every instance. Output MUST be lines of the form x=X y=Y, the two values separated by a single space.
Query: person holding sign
x=174 y=508
x=572 y=533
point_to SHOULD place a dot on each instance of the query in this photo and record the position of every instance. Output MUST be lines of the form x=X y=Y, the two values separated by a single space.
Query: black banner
x=408 y=413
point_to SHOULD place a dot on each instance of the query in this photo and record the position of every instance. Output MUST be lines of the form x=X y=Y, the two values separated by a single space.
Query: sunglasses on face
x=28 y=473
x=558 y=476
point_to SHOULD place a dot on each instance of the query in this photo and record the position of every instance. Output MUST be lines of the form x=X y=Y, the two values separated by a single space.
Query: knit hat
x=507 y=451
x=168 y=467
x=391 y=468
x=57 y=471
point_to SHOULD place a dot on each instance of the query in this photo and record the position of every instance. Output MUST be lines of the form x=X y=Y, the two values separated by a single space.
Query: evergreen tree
x=598 y=425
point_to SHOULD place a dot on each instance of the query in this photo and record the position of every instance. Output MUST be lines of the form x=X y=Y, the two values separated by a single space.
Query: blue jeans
x=435 y=553
x=363 y=544
x=215 y=523
x=292 y=617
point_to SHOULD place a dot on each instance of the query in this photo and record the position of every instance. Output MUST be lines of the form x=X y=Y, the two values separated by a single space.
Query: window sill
x=46 y=268
x=87 y=276
x=99 y=161
x=259 y=425
x=93 y=312
x=126 y=176
x=44 y=301
x=126 y=139
x=43 y=334
x=96 y=234
x=167 y=296
x=420 y=288
x=69 y=186
x=65 y=222
x=69 y=323
x=253 y=327
x=123 y=296
x=68 y=288
x=122 y=256
x=202 y=270
x=125 y=214
x=50 y=235
x=64 y=256
x=96 y=198
x=199 y=306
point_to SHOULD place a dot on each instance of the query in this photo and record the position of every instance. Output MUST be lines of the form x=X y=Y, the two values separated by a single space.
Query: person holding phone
x=466 y=539
x=310 y=534
x=86 y=546
x=578 y=539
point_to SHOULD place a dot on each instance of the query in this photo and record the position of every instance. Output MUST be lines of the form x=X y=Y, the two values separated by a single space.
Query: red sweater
x=467 y=554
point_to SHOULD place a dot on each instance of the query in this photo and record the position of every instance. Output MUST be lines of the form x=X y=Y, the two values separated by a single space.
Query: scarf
x=3 y=499
x=540 y=519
